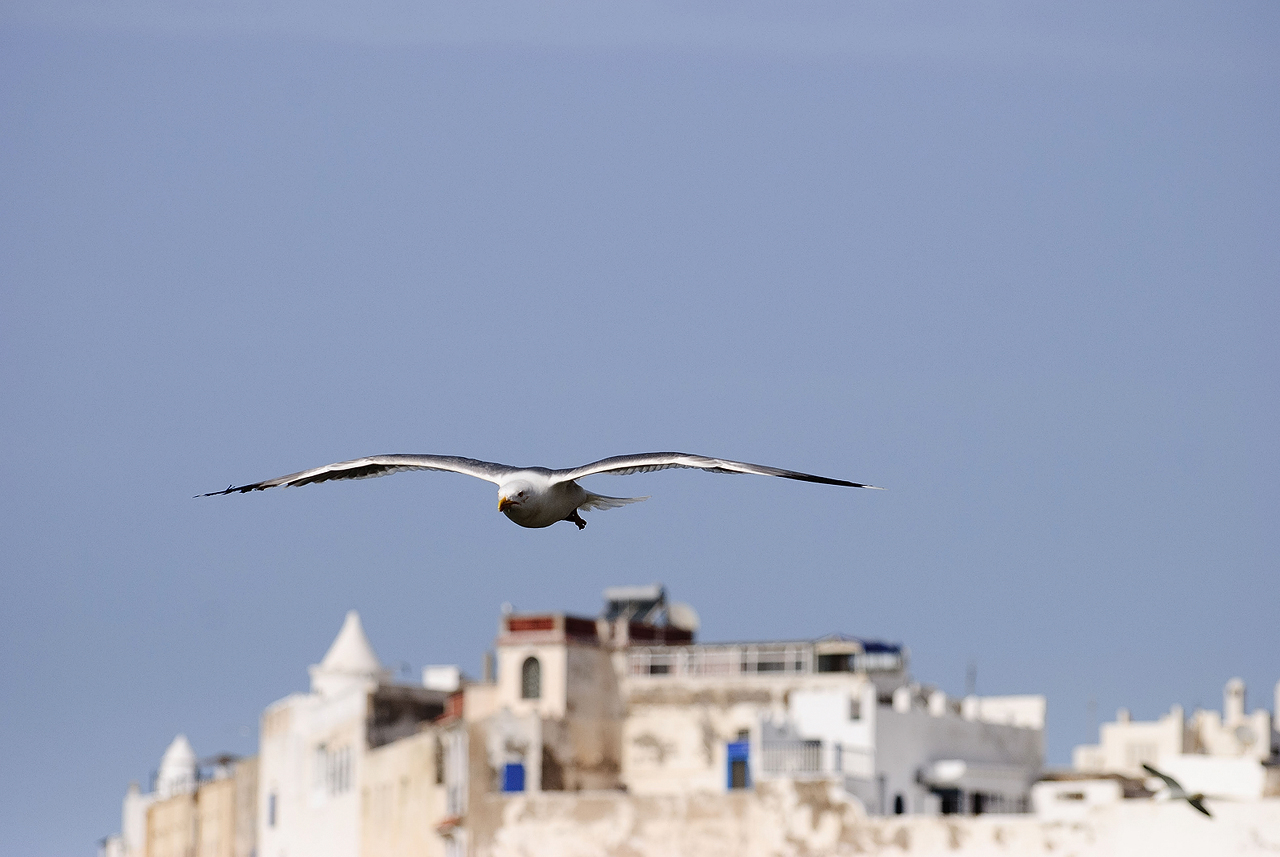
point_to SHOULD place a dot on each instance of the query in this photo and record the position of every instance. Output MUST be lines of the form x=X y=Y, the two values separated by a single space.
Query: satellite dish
x=683 y=616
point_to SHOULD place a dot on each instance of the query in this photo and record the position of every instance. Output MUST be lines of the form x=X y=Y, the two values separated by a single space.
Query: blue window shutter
x=513 y=777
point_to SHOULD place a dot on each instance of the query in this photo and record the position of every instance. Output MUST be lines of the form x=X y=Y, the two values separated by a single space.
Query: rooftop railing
x=722 y=661
x=745 y=659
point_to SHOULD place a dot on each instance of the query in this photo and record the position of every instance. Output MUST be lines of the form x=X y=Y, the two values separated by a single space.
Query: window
x=455 y=772
x=834 y=663
x=951 y=800
x=271 y=810
x=331 y=770
x=899 y=805
x=531 y=679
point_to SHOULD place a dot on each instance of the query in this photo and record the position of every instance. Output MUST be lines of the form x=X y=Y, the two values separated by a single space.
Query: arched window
x=531 y=679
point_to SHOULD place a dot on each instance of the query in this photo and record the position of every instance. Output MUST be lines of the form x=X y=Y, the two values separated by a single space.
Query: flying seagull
x=1177 y=792
x=533 y=496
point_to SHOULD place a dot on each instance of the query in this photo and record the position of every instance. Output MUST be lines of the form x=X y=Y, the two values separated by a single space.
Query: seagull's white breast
x=544 y=502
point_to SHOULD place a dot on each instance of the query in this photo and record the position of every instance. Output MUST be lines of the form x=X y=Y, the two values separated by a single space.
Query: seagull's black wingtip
x=226 y=490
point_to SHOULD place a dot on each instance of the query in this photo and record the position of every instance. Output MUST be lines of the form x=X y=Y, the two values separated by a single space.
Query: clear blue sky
x=1016 y=262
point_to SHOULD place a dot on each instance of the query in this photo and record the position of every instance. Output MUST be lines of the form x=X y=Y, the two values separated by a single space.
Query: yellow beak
x=504 y=504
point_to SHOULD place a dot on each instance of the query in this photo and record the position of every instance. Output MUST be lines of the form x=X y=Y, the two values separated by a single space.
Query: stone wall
x=783 y=819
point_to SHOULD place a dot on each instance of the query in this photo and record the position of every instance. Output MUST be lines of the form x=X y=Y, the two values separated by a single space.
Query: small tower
x=350 y=661
x=1233 y=702
x=177 y=769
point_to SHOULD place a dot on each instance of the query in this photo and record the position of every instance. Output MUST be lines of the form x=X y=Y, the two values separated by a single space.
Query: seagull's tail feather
x=599 y=501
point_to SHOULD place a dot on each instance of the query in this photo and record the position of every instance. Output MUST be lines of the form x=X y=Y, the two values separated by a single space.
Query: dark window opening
x=834 y=663
x=739 y=755
x=398 y=711
x=951 y=800
x=531 y=679
x=899 y=805
x=552 y=771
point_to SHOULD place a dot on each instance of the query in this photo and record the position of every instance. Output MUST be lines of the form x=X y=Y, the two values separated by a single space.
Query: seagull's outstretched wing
x=620 y=465
x=1174 y=785
x=380 y=465
x=1194 y=800
x=1177 y=792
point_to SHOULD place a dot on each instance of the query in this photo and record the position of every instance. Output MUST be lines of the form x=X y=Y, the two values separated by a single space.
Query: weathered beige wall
x=580 y=754
x=784 y=820
x=583 y=751
x=674 y=737
x=246 y=808
x=171 y=827
x=216 y=819
x=400 y=801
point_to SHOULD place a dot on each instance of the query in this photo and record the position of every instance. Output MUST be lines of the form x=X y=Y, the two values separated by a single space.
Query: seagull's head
x=513 y=496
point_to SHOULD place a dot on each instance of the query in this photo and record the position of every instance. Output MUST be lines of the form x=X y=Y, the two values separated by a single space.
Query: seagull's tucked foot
x=577 y=519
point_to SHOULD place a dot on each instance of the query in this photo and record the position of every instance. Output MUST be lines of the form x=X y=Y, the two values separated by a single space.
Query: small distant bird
x=1177 y=792
x=534 y=496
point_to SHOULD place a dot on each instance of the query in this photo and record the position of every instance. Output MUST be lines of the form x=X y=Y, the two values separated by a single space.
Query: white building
x=177 y=775
x=314 y=748
x=620 y=703
x=193 y=809
x=1233 y=754
x=624 y=708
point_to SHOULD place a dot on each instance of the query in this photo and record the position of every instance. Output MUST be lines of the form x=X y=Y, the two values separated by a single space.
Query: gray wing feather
x=645 y=462
x=1169 y=781
x=1195 y=801
x=379 y=465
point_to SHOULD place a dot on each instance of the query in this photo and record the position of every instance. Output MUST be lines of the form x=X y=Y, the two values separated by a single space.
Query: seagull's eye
x=521 y=494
